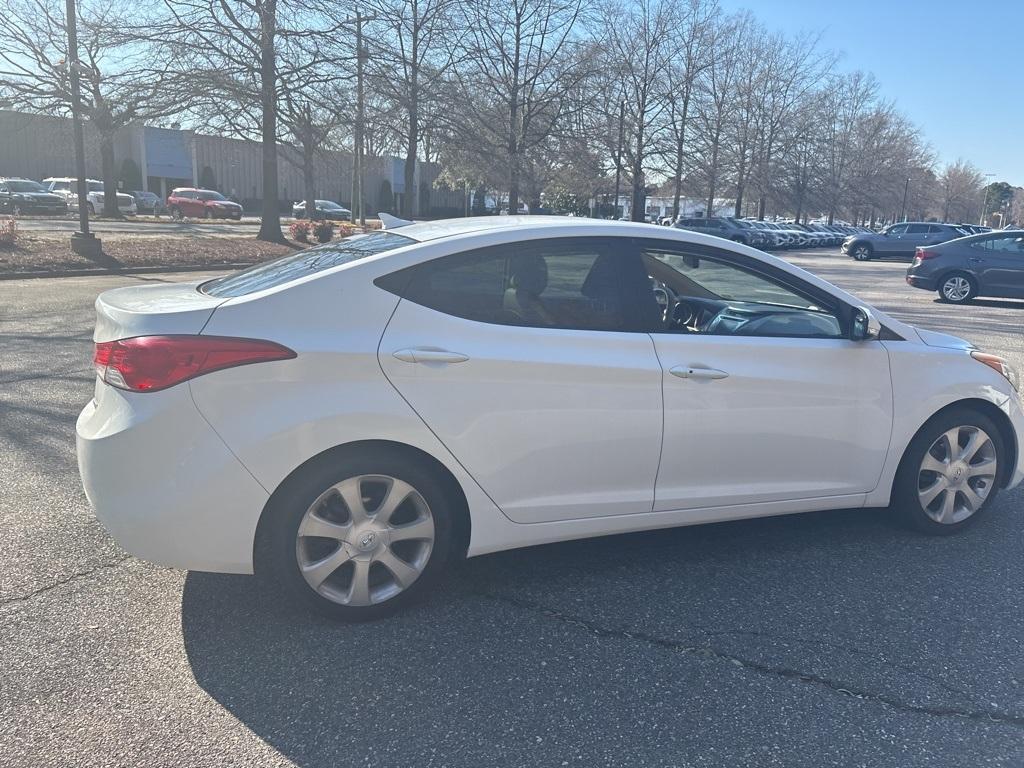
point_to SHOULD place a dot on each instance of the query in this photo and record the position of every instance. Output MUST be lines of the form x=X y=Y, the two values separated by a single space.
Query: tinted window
x=575 y=284
x=918 y=229
x=25 y=186
x=899 y=229
x=1013 y=244
x=308 y=262
x=208 y=196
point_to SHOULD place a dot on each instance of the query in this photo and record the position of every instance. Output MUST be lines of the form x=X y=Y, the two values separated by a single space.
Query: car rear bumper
x=163 y=483
x=925 y=283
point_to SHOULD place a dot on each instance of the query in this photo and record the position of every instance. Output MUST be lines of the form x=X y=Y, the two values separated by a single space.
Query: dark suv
x=899 y=239
x=26 y=196
x=721 y=226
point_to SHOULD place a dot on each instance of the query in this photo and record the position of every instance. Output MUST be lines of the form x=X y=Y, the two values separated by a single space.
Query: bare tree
x=517 y=62
x=638 y=45
x=241 y=52
x=123 y=79
x=961 y=192
x=411 y=53
x=695 y=32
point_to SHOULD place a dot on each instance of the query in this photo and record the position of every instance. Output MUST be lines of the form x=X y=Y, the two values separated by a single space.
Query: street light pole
x=83 y=242
x=984 y=204
x=903 y=208
x=618 y=156
x=360 y=117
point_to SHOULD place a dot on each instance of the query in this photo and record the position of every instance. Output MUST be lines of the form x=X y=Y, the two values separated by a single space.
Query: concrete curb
x=147 y=270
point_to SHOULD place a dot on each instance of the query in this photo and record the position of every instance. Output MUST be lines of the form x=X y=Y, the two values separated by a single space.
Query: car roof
x=443 y=228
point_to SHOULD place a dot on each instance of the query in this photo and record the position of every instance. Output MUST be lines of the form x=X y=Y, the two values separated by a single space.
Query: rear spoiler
x=387 y=221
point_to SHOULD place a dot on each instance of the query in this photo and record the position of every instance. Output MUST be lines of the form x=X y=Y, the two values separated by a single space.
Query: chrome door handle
x=419 y=355
x=690 y=372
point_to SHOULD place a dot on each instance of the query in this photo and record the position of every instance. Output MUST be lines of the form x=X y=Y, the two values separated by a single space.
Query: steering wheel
x=683 y=316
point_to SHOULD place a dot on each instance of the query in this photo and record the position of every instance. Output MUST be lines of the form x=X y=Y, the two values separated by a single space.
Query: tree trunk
x=309 y=178
x=738 y=208
x=677 y=192
x=270 y=226
x=410 y=200
x=108 y=165
x=712 y=180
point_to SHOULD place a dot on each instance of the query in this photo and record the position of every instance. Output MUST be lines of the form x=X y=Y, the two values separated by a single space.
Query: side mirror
x=862 y=325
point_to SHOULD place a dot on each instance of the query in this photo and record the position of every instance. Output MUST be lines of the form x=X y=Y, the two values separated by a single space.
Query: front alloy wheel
x=950 y=472
x=957 y=474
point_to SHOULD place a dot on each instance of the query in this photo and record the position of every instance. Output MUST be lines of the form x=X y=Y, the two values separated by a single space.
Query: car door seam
x=661 y=446
x=380 y=343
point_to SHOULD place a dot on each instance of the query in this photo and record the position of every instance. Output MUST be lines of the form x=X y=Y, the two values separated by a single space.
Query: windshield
x=308 y=262
x=328 y=204
x=95 y=186
x=210 y=196
x=25 y=186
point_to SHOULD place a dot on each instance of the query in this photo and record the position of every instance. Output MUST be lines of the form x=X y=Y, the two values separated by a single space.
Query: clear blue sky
x=955 y=68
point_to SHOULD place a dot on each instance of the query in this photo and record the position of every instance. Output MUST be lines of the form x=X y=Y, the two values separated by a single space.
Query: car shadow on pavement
x=516 y=644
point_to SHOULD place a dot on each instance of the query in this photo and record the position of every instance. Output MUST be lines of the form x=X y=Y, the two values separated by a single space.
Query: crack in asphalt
x=67 y=375
x=707 y=651
x=64 y=580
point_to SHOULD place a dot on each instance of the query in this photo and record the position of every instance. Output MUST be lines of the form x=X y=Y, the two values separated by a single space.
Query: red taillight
x=923 y=254
x=150 y=363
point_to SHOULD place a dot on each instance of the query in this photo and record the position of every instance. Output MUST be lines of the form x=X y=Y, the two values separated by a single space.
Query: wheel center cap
x=957 y=473
x=366 y=541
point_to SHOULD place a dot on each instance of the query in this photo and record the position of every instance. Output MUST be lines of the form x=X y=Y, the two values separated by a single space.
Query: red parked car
x=201 y=204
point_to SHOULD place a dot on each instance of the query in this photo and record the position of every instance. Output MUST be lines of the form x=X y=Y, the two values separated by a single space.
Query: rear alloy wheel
x=950 y=472
x=362 y=538
x=957 y=288
x=861 y=252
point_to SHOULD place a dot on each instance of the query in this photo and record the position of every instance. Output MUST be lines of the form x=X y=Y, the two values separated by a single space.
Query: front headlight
x=1000 y=366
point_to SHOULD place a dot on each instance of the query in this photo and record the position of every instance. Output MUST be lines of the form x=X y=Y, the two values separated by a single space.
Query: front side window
x=898 y=229
x=208 y=196
x=717 y=297
x=917 y=229
x=577 y=284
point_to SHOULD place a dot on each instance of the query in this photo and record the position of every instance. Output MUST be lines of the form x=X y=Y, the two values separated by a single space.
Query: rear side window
x=917 y=229
x=573 y=284
x=308 y=262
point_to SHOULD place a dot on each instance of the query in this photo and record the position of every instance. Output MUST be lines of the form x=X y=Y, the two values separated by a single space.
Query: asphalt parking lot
x=812 y=640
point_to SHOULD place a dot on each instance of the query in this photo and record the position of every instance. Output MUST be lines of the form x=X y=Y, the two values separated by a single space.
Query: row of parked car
x=58 y=196
x=771 y=235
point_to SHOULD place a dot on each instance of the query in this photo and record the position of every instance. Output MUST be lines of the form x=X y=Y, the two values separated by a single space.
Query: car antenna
x=387 y=221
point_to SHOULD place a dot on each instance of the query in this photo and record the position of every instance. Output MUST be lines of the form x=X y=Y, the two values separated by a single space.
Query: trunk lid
x=153 y=310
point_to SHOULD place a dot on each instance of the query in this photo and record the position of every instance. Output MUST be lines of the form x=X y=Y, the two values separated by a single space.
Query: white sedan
x=349 y=419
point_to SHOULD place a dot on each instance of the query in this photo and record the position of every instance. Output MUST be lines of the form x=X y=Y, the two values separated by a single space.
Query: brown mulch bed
x=48 y=253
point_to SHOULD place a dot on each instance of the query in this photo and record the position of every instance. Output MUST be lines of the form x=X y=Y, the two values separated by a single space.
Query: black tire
x=278 y=565
x=176 y=213
x=905 y=499
x=950 y=288
x=861 y=252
